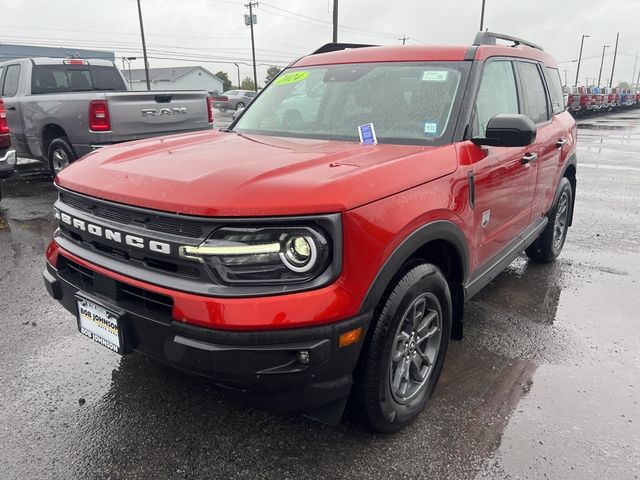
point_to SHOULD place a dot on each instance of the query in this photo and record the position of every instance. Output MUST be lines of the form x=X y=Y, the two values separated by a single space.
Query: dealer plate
x=100 y=324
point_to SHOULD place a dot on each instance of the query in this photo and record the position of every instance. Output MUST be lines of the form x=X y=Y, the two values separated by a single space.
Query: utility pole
x=482 y=17
x=250 y=6
x=602 y=63
x=405 y=38
x=615 y=54
x=580 y=58
x=335 y=21
x=144 y=48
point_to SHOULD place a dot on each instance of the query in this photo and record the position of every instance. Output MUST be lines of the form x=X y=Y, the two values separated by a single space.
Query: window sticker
x=367 y=134
x=292 y=77
x=430 y=128
x=435 y=76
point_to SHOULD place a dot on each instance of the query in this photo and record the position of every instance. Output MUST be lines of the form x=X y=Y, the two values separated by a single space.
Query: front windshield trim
x=460 y=69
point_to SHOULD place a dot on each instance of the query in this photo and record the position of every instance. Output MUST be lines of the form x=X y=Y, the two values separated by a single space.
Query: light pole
x=334 y=37
x=482 y=16
x=602 y=63
x=144 y=47
x=615 y=54
x=580 y=58
x=238 y=67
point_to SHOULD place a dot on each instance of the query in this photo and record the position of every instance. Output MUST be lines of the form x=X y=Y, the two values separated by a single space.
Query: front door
x=504 y=179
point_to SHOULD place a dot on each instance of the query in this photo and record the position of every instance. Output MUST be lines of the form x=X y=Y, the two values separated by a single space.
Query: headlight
x=264 y=255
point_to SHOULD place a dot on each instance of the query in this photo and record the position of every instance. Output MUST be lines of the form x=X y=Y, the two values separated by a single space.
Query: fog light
x=304 y=357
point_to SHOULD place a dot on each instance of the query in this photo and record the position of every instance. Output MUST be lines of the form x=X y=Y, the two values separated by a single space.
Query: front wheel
x=405 y=353
x=239 y=106
x=61 y=155
x=549 y=244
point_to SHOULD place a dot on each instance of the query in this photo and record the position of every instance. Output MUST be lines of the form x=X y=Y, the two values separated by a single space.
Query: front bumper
x=8 y=162
x=262 y=367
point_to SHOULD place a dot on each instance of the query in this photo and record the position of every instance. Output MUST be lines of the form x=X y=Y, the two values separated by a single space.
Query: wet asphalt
x=545 y=384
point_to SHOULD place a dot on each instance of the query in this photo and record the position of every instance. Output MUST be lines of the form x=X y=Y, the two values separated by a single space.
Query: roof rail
x=489 y=38
x=334 y=47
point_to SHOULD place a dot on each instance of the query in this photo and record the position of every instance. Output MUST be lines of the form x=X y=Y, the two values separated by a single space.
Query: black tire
x=374 y=394
x=60 y=155
x=239 y=105
x=548 y=245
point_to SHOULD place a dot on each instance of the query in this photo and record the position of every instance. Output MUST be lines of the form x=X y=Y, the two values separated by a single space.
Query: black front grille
x=154 y=222
x=136 y=300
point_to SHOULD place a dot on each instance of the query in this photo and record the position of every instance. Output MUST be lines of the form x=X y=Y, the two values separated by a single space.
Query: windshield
x=410 y=103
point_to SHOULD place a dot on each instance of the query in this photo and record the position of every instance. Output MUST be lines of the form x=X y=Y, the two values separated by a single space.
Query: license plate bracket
x=104 y=325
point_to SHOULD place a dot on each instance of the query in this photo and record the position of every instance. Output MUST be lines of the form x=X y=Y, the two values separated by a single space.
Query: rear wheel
x=61 y=155
x=405 y=353
x=549 y=244
x=239 y=105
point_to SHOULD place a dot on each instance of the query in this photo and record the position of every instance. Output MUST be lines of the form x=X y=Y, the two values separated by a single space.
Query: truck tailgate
x=137 y=115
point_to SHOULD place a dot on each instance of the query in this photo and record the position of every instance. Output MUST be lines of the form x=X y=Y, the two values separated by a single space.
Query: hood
x=227 y=174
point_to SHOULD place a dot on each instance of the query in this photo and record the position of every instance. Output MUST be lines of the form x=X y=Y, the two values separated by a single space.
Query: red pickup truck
x=324 y=245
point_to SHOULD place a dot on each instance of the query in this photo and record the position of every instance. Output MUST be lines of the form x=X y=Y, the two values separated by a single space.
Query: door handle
x=12 y=108
x=561 y=143
x=529 y=157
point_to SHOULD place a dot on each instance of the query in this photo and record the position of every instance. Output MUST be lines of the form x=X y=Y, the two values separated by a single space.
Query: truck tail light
x=4 y=126
x=99 y=116
x=210 y=109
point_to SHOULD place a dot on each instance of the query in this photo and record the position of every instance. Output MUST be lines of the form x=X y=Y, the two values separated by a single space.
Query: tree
x=247 y=84
x=226 y=83
x=624 y=85
x=272 y=72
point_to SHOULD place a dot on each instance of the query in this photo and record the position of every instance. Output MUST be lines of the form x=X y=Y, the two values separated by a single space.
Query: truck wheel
x=239 y=105
x=405 y=353
x=549 y=244
x=60 y=155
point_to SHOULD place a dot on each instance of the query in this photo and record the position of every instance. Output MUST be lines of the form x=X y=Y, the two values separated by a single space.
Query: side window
x=497 y=94
x=555 y=89
x=1 y=72
x=11 y=81
x=533 y=92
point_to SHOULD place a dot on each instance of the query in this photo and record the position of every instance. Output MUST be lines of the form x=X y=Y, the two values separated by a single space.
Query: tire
x=60 y=155
x=548 y=245
x=422 y=293
x=239 y=105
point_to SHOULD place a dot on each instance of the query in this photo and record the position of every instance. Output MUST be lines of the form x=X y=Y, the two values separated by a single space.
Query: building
x=13 y=51
x=174 y=78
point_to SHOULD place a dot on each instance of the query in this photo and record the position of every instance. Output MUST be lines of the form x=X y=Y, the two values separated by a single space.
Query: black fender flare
x=437 y=230
x=572 y=160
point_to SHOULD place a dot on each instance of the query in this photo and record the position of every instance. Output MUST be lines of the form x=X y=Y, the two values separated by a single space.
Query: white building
x=174 y=78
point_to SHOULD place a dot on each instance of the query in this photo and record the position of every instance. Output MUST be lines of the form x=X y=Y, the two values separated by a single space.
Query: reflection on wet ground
x=545 y=383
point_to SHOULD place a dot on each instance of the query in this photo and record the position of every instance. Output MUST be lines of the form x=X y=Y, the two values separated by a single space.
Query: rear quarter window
x=555 y=89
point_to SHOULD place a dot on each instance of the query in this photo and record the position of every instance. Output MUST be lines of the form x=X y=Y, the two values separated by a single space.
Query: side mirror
x=508 y=130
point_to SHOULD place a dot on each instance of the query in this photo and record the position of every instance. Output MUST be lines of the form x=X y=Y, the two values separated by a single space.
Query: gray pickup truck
x=58 y=110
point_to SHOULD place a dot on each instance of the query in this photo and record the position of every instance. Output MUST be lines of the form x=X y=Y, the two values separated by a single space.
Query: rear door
x=537 y=106
x=146 y=114
x=504 y=184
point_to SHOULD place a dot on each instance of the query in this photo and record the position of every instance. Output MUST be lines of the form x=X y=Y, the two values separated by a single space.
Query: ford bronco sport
x=322 y=249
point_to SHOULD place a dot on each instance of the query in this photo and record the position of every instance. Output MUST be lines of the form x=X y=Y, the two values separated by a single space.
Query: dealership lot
x=545 y=383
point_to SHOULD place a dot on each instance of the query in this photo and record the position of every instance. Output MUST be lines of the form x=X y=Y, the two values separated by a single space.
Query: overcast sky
x=209 y=32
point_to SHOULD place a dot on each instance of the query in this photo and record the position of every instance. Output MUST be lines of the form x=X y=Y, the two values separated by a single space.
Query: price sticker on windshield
x=367 y=134
x=292 y=77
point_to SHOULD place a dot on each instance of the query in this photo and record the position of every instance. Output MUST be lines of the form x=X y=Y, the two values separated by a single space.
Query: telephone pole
x=250 y=21
x=482 y=16
x=144 y=48
x=335 y=21
x=615 y=54
x=403 y=39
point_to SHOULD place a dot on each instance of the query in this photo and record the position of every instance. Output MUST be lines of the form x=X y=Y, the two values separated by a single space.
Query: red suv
x=324 y=245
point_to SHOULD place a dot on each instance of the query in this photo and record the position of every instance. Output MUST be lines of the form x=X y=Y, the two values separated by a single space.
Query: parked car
x=61 y=109
x=7 y=155
x=299 y=264
x=233 y=100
